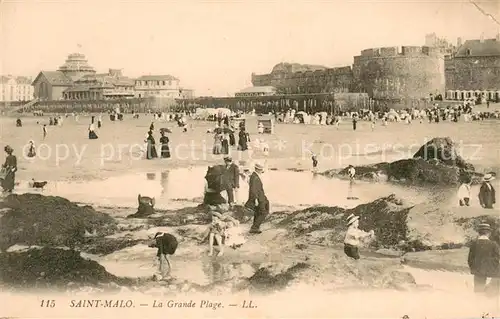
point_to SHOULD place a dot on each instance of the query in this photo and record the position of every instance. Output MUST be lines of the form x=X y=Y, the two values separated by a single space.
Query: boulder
x=444 y=150
x=34 y=219
x=437 y=162
x=51 y=267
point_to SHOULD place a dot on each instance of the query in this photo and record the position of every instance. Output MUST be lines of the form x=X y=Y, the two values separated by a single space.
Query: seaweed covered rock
x=437 y=162
x=423 y=172
x=268 y=279
x=51 y=267
x=387 y=216
x=34 y=219
x=444 y=150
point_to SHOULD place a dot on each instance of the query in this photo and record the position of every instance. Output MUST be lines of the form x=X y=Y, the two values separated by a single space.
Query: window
x=467 y=52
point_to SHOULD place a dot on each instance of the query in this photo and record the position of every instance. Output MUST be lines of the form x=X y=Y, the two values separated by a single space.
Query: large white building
x=166 y=86
x=15 y=88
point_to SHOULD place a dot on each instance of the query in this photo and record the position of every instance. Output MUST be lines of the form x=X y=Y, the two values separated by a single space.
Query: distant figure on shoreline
x=483 y=258
x=44 y=130
x=487 y=192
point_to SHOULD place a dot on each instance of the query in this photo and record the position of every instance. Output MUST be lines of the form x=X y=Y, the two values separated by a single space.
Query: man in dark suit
x=484 y=258
x=487 y=192
x=257 y=200
x=232 y=178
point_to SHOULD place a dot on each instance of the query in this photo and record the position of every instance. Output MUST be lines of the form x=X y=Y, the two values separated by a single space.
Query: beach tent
x=223 y=111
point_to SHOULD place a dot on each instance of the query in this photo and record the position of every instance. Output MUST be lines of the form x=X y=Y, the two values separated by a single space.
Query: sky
x=214 y=46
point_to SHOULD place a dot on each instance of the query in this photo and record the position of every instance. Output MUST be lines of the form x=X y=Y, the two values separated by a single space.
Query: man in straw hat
x=353 y=237
x=257 y=199
x=484 y=258
x=487 y=192
x=232 y=178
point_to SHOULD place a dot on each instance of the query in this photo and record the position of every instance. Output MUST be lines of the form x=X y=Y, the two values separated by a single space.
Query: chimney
x=482 y=38
x=459 y=42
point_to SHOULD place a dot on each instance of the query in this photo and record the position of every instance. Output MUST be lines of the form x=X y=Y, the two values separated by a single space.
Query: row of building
x=77 y=80
x=436 y=69
x=15 y=88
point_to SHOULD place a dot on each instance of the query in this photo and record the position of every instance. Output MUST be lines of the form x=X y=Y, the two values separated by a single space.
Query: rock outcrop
x=33 y=219
x=444 y=150
x=436 y=163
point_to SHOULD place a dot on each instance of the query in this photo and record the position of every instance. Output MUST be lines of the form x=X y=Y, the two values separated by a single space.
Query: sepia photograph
x=250 y=159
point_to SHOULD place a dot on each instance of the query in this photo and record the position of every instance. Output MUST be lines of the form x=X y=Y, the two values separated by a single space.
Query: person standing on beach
x=151 y=146
x=99 y=121
x=487 y=192
x=257 y=199
x=483 y=258
x=165 y=148
x=242 y=139
x=232 y=179
x=44 y=130
x=353 y=237
x=354 y=123
x=464 y=193
x=9 y=169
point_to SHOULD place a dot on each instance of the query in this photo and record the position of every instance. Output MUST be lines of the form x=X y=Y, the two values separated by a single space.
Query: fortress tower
x=400 y=73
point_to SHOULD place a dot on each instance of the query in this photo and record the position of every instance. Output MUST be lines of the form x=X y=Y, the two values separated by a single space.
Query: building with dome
x=77 y=80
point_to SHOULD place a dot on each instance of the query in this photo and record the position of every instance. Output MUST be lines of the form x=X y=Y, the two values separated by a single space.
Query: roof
x=296 y=67
x=55 y=78
x=259 y=89
x=18 y=79
x=489 y=47
x=158 y=78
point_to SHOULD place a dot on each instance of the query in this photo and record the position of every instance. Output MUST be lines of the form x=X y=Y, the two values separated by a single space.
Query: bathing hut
x=238 y=122
x=268 y=123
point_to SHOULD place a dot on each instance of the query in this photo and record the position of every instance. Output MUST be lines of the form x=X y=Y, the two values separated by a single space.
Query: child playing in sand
x=353 y=237
x=220 y=231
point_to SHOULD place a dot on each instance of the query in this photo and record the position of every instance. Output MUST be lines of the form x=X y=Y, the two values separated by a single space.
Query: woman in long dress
x=225 y=143
x=243 y=140
x=92 y=134
x=165 y=148
x=151 y=147
x=9 y=169
x=217 y=144
x=31 y=150
x=232 y=139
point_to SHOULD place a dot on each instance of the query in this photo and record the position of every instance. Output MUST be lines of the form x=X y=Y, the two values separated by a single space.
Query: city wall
x=399 y=73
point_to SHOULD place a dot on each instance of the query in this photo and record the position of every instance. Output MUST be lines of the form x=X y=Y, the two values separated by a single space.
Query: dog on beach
x=35 y=184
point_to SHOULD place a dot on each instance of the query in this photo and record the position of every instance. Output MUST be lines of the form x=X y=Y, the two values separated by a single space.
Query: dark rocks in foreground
x=436 y=163
x=51 y=267
x=34 y=219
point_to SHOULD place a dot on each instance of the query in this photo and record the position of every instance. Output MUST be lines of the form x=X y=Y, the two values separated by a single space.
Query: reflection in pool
x=282 y=188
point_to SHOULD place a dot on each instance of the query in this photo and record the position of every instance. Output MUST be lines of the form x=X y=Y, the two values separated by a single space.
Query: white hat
x=351 y=219
x=488 y=177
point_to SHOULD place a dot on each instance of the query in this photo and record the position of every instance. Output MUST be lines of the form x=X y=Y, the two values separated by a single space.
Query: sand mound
x=50 y=267
x=34 y=219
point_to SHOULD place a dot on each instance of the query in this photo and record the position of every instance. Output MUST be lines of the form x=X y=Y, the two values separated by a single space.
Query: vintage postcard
x=250 y=159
